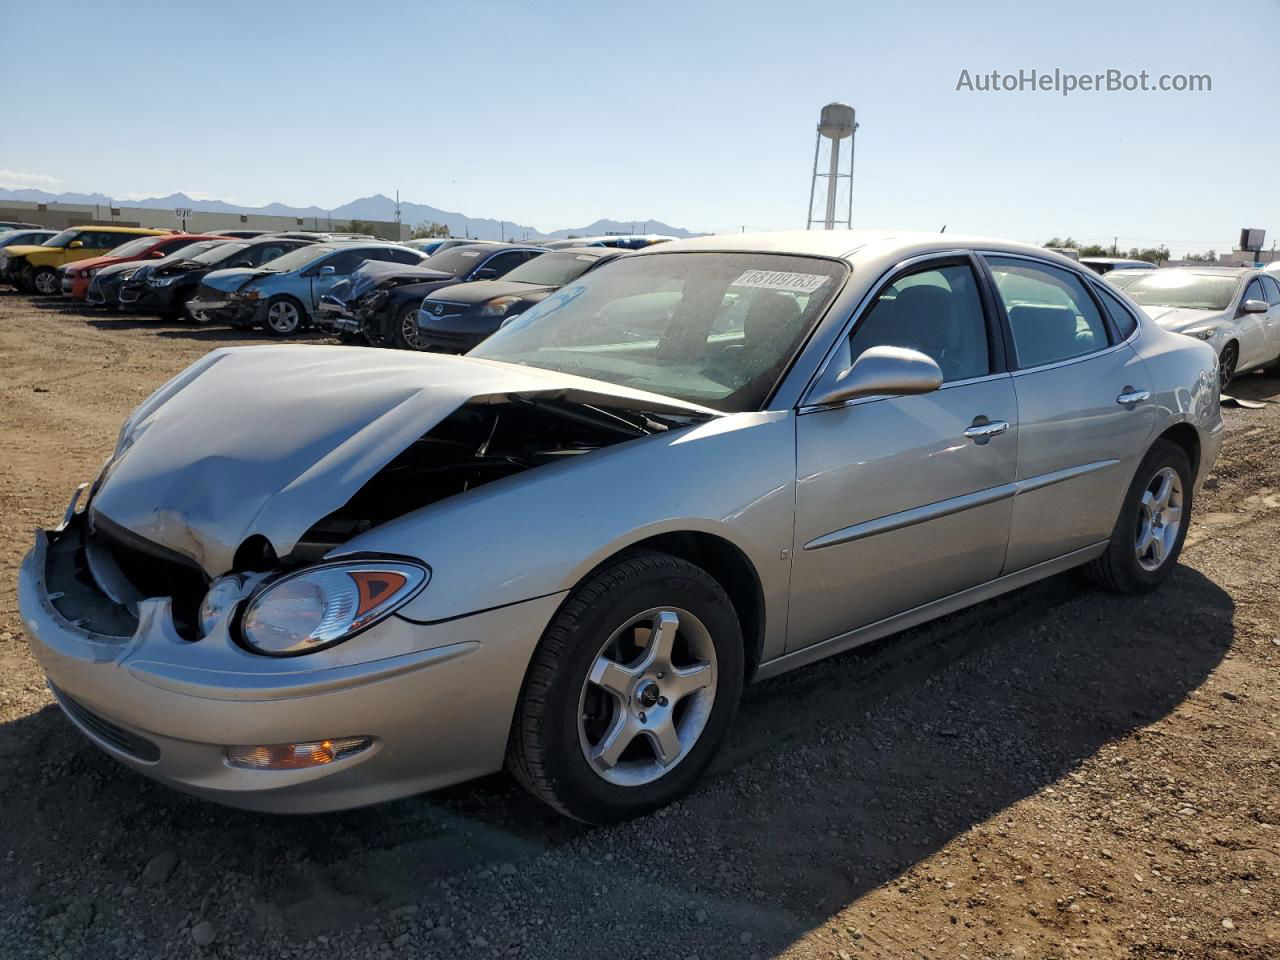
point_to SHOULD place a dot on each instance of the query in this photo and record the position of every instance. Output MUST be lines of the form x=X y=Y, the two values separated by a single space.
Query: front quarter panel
x=540 y=532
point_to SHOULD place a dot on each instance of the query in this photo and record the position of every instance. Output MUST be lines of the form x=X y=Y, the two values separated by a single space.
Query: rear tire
x=646 y=654
x=1145 y=545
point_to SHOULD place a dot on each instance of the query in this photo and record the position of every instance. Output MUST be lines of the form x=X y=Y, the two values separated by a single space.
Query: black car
x=104 y=288
x=169 y=284
x=457 y=318
x=387 y=308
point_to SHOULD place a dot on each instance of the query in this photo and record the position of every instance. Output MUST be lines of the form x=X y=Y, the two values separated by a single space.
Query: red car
x=76 y=276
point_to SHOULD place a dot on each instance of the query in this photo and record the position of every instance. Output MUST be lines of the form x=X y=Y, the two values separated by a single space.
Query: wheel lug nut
x=643 y=718
x=661 y=674
x=662 y=701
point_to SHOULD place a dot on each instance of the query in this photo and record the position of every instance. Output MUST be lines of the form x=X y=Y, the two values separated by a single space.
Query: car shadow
x=1256 y=386
x=836 y=779
x=186 y=330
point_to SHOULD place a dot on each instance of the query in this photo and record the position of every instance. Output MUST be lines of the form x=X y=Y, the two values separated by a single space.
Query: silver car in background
x=1233 y=309
x=317 y=577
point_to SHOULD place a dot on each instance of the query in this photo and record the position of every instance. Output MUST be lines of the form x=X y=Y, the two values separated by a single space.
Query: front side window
x=1273 y=291
x=718 y=329
x=502 y=263
x=1050 y=312
x=63 y=238
x=938 y=312
x=1254 y=291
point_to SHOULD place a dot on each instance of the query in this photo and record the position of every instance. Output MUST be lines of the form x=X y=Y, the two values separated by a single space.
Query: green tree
x=359 y=226
x=427 y=229
x=1209 y=256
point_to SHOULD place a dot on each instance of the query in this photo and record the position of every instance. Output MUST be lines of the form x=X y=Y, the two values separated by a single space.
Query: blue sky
x=699 y=112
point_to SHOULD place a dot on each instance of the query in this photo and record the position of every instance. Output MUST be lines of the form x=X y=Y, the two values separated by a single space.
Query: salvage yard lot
x=1057 y=773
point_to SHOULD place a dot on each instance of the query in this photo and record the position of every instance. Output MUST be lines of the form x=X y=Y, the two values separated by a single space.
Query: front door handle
x=1130 y=397
x=983 y=431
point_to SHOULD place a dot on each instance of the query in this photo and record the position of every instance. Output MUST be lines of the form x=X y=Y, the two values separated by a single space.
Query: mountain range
x=377 y=207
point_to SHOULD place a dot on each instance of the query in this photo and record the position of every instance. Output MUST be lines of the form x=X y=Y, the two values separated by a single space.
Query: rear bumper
x=437 y=700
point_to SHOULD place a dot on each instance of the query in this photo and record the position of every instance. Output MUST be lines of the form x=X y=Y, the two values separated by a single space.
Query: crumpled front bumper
x=437 y=699
x=236 y=313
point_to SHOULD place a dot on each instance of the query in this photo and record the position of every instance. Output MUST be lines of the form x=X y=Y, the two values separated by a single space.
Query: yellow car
x=35 y=268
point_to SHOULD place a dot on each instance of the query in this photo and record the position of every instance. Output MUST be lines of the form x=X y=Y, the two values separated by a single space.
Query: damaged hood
x=268 y=440
x=378 y=273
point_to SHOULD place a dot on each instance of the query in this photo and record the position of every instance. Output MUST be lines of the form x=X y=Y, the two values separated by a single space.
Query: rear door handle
x=1130 y=397
x=980 y=433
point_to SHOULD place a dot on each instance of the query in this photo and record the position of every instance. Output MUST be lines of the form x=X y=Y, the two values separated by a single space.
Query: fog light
x=296 y=756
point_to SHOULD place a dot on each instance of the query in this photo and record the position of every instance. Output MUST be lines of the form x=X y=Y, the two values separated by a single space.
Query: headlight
x=91 y=273
x=1201 y=333
x=498 y=306
x=323 y=605
x=219 y=602
x=243 y=294
x=163 y=281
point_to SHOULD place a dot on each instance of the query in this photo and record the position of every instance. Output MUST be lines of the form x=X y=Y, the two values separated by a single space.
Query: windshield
x=552 y=269
x=134 y=248
x=220 y=252
x=1192 y=291
x=297 y=259
x=191 y=250
x=455 y=261
x=718 y=329
x=61 y=239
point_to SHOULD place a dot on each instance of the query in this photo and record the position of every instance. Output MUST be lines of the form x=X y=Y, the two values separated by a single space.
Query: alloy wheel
x=409 y=329
x=1159 y=519
x=1227 y=366
x=648 y=696
x=283 y=317
x=46 y=283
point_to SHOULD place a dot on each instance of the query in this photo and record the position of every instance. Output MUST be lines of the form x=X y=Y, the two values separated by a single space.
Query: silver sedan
x=317 y=577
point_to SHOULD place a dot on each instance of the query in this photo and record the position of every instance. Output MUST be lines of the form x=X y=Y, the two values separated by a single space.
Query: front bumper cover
x=437 y=699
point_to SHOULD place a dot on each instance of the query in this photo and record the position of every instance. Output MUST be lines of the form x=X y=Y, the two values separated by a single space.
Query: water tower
x=835 y=124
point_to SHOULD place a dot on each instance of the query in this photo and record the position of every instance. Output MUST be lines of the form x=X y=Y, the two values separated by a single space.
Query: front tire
x=44 y=281
x=630 y=692
x=284 y=317
x=405 y=331
x=1227 y=362
x=1152 y=526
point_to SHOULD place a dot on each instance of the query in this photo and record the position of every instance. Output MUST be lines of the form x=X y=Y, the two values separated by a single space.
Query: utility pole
x=399 y=232
x=1115 y=245
x=502 y=230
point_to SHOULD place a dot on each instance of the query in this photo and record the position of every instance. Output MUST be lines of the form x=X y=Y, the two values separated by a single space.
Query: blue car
x=283 y=295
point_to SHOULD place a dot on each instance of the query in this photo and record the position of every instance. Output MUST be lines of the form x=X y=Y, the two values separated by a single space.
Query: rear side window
x=1124 y=321
x=1050 y=312
x=936 y=311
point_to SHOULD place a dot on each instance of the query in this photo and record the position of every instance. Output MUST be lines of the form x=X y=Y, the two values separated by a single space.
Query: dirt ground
x=1057 y=773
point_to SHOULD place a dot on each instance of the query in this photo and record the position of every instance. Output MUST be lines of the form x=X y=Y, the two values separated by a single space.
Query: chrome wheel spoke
x=686 y=680
x=1164 y=491
x=613 y=744
x=1157 y=549
x=665 y=740
x=662 y=639
x=613 y=677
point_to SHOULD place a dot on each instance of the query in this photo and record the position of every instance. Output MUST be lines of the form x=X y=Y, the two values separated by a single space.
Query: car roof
x=1212 y=271
x=853 y=246
x=140 y=231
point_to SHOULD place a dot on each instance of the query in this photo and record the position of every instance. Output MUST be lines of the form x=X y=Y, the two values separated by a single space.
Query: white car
x=1235 y=310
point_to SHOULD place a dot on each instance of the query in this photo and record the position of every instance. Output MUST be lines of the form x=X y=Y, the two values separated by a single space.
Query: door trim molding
x=927 y=611
x=952 y=505
x=913 y=516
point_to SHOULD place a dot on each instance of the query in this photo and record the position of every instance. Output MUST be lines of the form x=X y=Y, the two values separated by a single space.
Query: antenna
x=836 y=122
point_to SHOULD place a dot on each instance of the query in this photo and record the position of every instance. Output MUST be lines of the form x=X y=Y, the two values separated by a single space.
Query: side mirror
x=893 y=371
x=327 y=271
x=75 y=244
x=1254 y=306
x=485 y=273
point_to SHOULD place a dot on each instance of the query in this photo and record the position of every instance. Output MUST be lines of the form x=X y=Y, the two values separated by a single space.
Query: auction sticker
x=780 y=280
